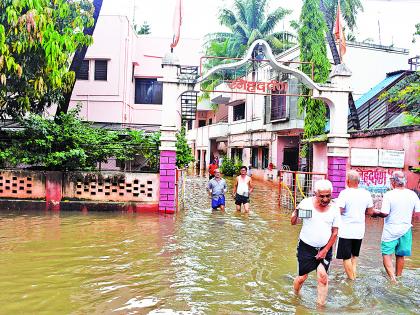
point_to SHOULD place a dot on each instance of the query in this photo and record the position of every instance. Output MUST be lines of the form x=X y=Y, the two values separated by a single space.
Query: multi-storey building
x=264 y=131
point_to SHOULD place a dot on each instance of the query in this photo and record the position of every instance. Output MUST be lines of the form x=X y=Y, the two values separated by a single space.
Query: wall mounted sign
x=364 y=157
x=391 y=158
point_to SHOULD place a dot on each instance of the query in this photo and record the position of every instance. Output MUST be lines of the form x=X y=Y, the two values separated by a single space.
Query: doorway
x=291 y=158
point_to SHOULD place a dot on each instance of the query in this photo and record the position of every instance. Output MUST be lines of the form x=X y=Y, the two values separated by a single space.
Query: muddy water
x=197 y=262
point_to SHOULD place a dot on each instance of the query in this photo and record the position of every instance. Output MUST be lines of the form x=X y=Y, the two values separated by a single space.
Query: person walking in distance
x=217 y=188
x=212 y=167
x=354 y=203
x=241 y=190
x=319 y=231
x=398 y=206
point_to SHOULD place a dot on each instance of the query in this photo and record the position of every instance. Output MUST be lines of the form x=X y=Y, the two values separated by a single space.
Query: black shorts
x=307 y=261
x=239 y=199
x=348 y=247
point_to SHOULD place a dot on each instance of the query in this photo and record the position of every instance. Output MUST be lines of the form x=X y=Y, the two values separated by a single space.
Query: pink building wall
x=376 y=177
x=400 y=141
x=129 y=56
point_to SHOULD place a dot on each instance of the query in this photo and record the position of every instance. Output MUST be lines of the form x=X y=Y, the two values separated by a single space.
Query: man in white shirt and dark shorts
x=398 y=206
x=354 y=203
x=242 y=188
x=318 y=235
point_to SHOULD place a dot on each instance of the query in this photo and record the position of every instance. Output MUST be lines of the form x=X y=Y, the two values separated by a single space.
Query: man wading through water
x=217 y=188
x=241 y=190
x=318 y=235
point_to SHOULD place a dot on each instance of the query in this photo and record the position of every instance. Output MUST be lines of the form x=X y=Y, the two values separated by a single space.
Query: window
x=101 y=70
x=236 y=154
x=83 y=73
x=254 y=157
x=210 y=121
x=278 y=106
x=201 y=123
x=265 y=152
x=239 y=112
x=148 y=91
x=189 y=124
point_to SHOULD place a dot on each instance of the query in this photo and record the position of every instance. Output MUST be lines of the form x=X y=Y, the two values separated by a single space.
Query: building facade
x=264 y=131
x=118 y=85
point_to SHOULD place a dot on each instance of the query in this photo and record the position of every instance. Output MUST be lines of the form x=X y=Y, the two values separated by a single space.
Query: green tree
x=183 y=152
x=406 y=94
x=247 y=22
x=37 y=39
x=79 y=56
x=417 y=32
x=230 y=167
x=144 y=29
x=67 y=143
x=312 y=48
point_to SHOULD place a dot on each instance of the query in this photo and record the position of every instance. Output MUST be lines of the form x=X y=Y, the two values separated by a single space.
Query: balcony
x=218 y=130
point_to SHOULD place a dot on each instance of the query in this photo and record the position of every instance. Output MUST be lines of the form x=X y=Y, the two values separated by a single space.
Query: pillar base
x=167 y=171
x=337 y=173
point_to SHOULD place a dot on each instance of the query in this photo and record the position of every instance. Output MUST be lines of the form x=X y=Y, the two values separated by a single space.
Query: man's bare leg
x=238 y=208
x=322 y=278
x=399 y=265
x=354 y=263
x=298 y=283
x=387 y=259
x=222 y=208
x=348 y=268
x=246 y=207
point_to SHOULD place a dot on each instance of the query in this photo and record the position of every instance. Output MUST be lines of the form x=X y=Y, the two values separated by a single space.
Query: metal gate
x=295 y=186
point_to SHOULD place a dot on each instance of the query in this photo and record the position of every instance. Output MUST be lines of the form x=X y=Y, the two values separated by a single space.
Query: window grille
x=101 y=70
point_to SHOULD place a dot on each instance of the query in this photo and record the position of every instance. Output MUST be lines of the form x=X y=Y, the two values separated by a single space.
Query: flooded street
x=196 y=262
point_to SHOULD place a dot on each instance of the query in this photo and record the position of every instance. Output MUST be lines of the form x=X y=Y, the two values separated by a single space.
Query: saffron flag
x=177 y=23
x=339 y=32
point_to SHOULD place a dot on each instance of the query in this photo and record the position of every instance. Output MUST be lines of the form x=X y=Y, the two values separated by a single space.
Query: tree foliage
x=184 y=154
x=349 y=11
x=37 y=39
x=68 y=143
x=143 y=29
x=417 y=32
x=406 y=94
x=248 y=21
x=230 y=167
x=313 y=48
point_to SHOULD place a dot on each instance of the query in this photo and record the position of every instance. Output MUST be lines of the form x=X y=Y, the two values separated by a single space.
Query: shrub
x=230 y=167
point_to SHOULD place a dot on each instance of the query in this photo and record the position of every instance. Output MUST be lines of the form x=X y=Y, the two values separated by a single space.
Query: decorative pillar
x=337 y=98
x=171 y=123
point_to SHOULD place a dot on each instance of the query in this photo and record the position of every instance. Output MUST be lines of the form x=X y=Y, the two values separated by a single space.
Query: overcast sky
x=386 y=22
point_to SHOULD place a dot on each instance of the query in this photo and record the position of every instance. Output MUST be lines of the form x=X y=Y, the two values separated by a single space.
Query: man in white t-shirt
x=398 y=206
x=318 y=234
x=354 y=203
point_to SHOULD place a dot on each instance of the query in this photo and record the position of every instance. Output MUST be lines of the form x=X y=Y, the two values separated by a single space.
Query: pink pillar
x=167 y=173
x=337 y=173
x=53 y=190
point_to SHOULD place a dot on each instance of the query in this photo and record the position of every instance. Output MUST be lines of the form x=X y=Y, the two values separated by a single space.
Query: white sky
x=395 y=19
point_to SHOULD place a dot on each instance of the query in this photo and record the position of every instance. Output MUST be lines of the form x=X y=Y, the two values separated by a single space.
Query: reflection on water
x=197 y=262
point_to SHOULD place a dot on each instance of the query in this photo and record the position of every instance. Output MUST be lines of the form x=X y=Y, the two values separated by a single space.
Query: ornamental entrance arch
x=334 y=94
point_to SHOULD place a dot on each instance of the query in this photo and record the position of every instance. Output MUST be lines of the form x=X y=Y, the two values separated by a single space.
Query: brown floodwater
x=196 y=262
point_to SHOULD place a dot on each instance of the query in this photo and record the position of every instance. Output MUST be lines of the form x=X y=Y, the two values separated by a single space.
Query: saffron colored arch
x=303 y=78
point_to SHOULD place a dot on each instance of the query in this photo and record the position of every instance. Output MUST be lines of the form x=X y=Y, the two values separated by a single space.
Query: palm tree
x=247 y=22
x=78 y=58
x=349 y=10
